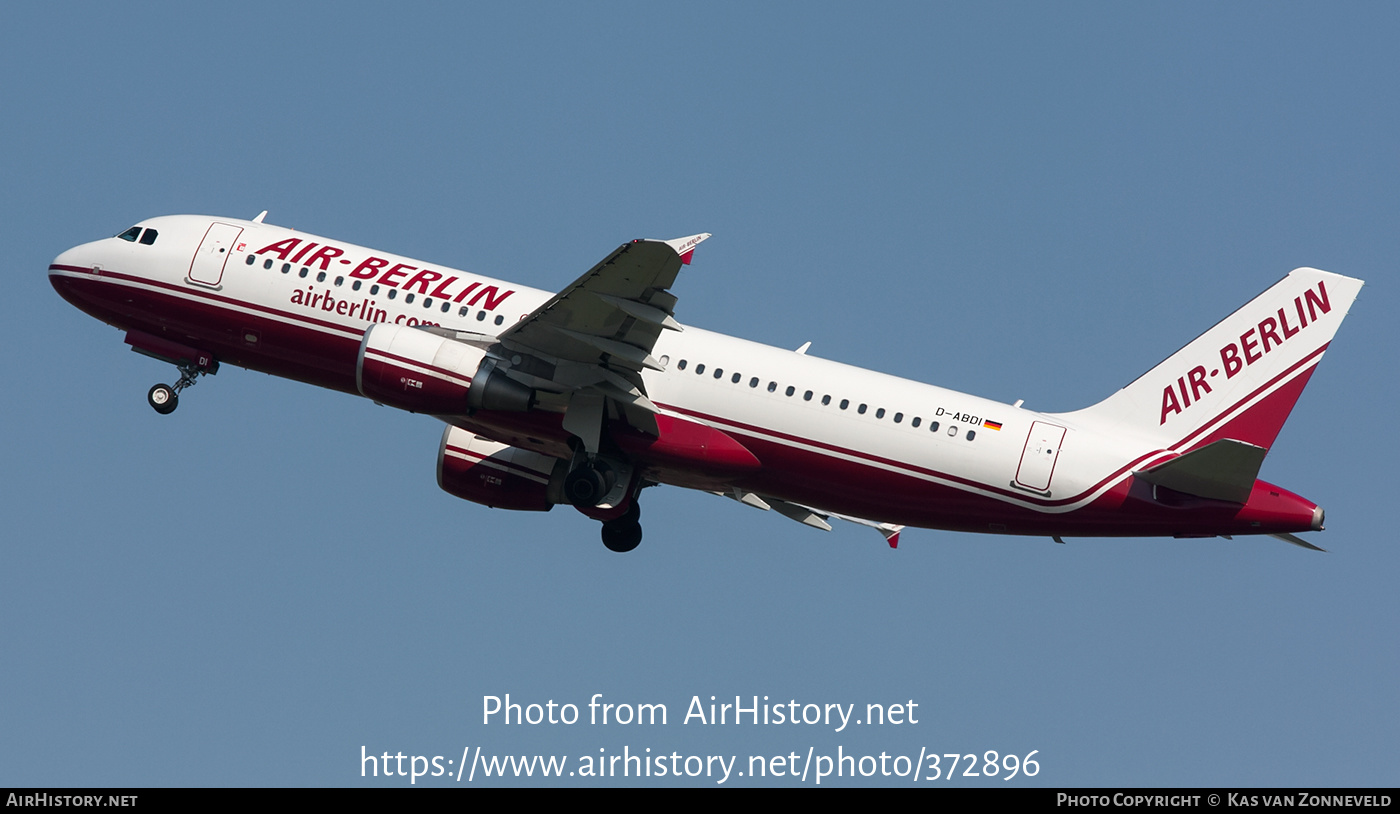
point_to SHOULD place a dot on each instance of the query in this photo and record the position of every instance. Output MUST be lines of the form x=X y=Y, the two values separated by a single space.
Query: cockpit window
x=148 y=237
x=130 y=234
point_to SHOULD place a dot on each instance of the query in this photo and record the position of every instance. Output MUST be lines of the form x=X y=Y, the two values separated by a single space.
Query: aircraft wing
x=589 y=343
x=808 y=516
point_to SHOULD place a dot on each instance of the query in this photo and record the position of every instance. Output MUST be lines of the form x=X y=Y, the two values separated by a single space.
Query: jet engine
x=500 y=476
x=415 y=370
x=426 y=372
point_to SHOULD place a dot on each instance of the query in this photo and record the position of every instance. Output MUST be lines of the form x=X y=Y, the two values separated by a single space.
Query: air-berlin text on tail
x=387 y=272
x=1269 y=334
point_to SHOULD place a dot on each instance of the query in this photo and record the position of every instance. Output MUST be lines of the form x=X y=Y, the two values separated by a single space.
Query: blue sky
x=1014 y=200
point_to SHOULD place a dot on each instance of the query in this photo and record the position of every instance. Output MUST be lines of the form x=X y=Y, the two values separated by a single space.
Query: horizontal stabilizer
x=1223 y=470
x=1298 y=541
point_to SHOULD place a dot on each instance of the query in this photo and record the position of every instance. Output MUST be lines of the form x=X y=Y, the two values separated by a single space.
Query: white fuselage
x=829 y=435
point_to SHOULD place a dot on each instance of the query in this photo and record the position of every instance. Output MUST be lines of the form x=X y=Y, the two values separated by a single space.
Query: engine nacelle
x=500 y=476
x=424 y=372
x=415 y=370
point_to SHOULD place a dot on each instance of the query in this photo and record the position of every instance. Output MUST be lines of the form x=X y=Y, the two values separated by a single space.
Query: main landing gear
x=624 y=533
x=164 y=398
x=593 y=482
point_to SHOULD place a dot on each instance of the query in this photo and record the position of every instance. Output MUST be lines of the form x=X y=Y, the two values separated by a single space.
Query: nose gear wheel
x=164 y=398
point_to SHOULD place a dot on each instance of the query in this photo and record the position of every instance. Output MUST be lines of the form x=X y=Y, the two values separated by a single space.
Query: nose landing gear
x=164 y=398
x=191 y=362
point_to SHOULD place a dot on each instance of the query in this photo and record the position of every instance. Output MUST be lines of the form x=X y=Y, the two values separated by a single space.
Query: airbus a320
x=587 y=396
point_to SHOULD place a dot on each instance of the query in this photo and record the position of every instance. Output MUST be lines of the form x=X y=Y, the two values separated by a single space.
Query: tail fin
x=1239 y=379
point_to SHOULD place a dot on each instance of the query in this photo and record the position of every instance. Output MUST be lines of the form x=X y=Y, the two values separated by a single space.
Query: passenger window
x=252 y=259
x=681 y=364
x=267 y=264
x=446 y=306
x=772 y=387
x=339 y=281
x=500 y=319
x=898 y=417
x=933 y=426
x=408 y=298
x=427 y=302
x=807 y=396
x=971 y=434
x=149 y=236
x=393 y=292
x=753 y=382
x=735 y=379
x=845 y=403
x=320 y=276
x=880 y=413
x=915 y=422
x=355 y=285
x=480 y=315
x=719 y=373
x=952 y=429
x=861 y=409
x=826 y=400
x=374 y=290
x=304 y=272
x=700 y=369
x=286 y=267
x=462 y=312
x=130 y=234
x=790 y=390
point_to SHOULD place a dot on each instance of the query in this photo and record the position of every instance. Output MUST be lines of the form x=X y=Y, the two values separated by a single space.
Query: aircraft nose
x=74 y=258
x=69 y=272
x=63 y=259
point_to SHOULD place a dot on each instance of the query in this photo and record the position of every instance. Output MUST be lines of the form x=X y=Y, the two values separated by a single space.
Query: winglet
x=685 y=246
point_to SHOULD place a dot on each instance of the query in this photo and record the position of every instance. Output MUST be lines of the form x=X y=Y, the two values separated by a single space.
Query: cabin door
x=207 y=268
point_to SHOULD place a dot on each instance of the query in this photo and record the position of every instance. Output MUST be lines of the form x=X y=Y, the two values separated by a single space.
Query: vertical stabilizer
x=1239 y=379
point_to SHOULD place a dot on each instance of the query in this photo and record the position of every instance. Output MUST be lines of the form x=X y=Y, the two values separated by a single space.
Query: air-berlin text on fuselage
x=1268 y=335
x=386 y=272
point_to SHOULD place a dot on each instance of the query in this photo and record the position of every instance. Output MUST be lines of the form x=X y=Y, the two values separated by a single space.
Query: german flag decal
x=992 y=425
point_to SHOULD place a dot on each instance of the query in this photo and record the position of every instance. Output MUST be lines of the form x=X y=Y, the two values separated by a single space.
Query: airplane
x=587 y=396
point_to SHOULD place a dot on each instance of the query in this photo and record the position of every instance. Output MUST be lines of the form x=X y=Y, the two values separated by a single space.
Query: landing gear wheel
x=163 y=399
x=587 y=485
x=622 y=535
